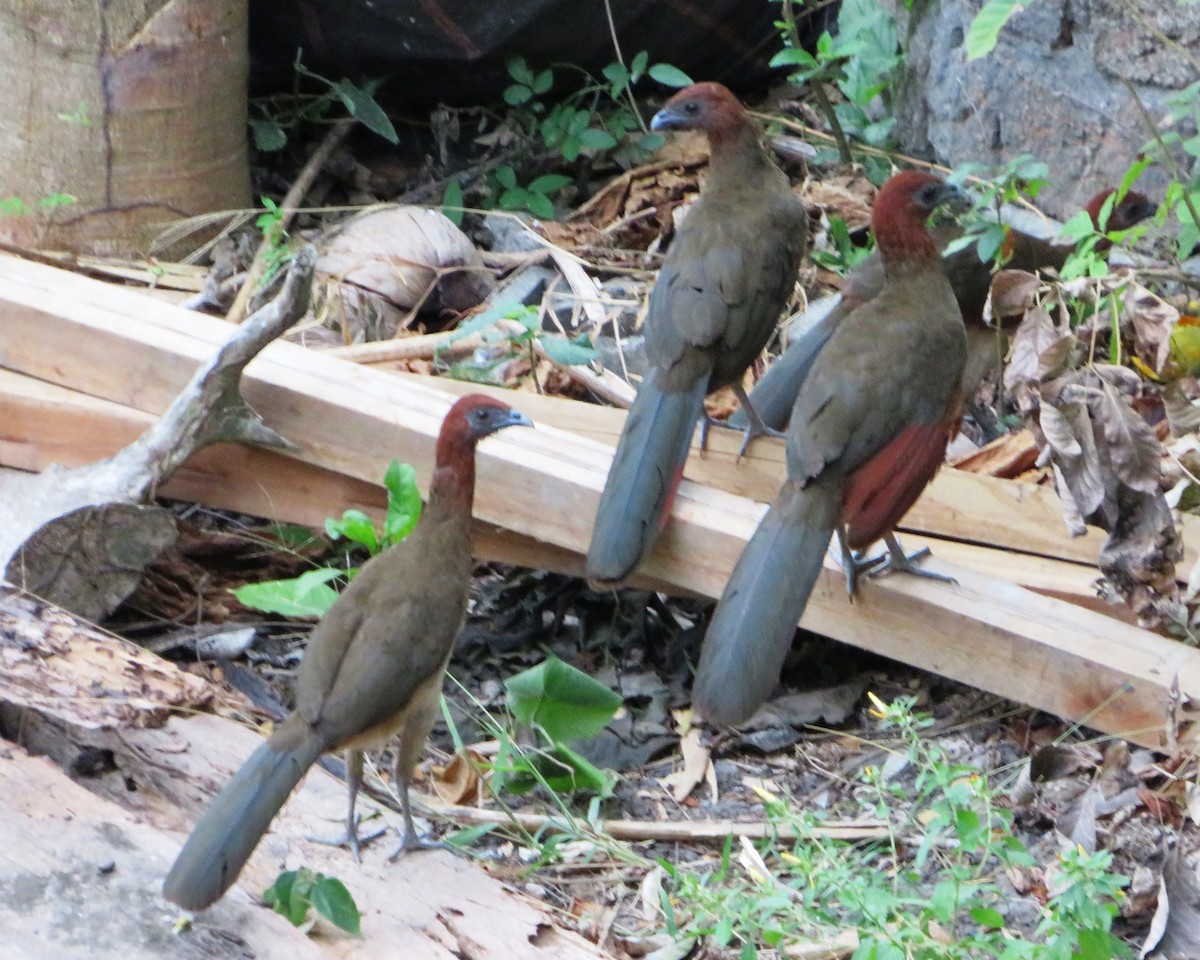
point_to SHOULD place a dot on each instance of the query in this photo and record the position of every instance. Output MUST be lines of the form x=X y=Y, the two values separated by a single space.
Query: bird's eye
x=691 y=107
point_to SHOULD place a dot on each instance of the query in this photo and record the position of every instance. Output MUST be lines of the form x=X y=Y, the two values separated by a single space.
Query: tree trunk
x=137 y=110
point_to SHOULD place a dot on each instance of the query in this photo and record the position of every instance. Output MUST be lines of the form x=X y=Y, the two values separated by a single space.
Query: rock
x=1053 y=87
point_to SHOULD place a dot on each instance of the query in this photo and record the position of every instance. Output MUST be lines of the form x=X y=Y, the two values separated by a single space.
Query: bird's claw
x=755 y=428
x=351 y=840
x=897 y=560
x=412 y=842
x=894 y=560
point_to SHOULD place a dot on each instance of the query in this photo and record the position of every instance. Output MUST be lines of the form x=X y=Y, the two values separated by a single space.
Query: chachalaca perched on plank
x=866 y=434
x=970 y=278
x=726 y=278
x=373 y=669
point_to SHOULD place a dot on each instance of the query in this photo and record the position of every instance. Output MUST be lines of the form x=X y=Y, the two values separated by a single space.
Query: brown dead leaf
x=1009 y=456
x=1036 y=335
x=1068 y=432
x=1133 y=447
x=1140 y=556
x=697 y=761
x=1077 y=824
x=848 y=200
x=1153 y=320
x=1013 y=293
x=458 y=781
x=1055 y=761
x=1182 y=414
x=389 y=261
x=1175 y=930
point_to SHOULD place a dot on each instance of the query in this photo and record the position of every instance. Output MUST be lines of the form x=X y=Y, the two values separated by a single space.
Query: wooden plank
x=51 y=424
x=957 y=505
x=544 y=484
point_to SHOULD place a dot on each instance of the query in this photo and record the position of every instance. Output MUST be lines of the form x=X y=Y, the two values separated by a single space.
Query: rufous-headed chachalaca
x=726 y=278
x=373 y=669
x=971 y=278
x=867 y=432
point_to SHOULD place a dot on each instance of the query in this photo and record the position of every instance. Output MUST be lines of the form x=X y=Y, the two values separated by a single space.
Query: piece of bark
x=81 y=538
x=67 y=688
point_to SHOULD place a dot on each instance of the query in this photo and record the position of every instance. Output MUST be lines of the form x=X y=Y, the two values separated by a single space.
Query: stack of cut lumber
x=84 y=366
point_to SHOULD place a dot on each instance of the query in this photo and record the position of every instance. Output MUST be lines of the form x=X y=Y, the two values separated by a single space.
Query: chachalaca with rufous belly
x=866 y=434
x=726 y=278
x=373 y=669
x=970 y=278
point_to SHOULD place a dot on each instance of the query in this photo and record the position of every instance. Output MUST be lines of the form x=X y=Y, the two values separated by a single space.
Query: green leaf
x=562 y=769
x=616 y=74
x=268 y=135
x=506 y=176
x=539 y=205
x=288 y=895
x=452 y=203
x=363 y=107
x=514 y=198
x=468 y=837
x=308 y=595
x=517 y=94
x=549 y=183
x=669 y=76
x=637 y=66
x=519 y=70
x=944 y=901
x=596 y=140
x=543 y=82
x=354 y=525
x=404 y=501
x=561 y=350
x=333 y=901
x=985 y=29
x=571 y=148
x=987 y=917
x=794 y=57
x=1078 y=227
x=564 y=702
x=291 y=536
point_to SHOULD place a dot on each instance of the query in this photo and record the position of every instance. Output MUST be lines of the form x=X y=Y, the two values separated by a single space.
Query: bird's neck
x=906 y=246
x=452 y=488
x=735 y=153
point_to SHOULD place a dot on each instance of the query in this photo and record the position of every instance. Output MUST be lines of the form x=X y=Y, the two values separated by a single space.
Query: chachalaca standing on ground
x=373 y=669
x=726 y=278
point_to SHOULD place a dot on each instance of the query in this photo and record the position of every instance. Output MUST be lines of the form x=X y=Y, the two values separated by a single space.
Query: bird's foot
x=897 y=560
x=755 y=425
x=854 y=564
x=412 y=842
x=351 y=840
x=755 y=428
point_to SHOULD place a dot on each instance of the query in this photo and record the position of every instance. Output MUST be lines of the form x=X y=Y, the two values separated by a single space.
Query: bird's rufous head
x=476 y=416
x=904 y=203
x=1132 y=209
x=702 y=106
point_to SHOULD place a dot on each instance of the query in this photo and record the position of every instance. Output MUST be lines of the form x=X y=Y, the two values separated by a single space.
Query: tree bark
x=135 y=109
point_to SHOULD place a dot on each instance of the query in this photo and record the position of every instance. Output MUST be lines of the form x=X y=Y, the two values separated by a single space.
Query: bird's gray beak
x=954 y=198
x=515 y=418
x=666 y=119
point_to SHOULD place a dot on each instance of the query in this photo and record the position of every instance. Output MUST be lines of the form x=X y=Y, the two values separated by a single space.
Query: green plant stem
x=612 y=29
x=818 y=89
x=1167 y=158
